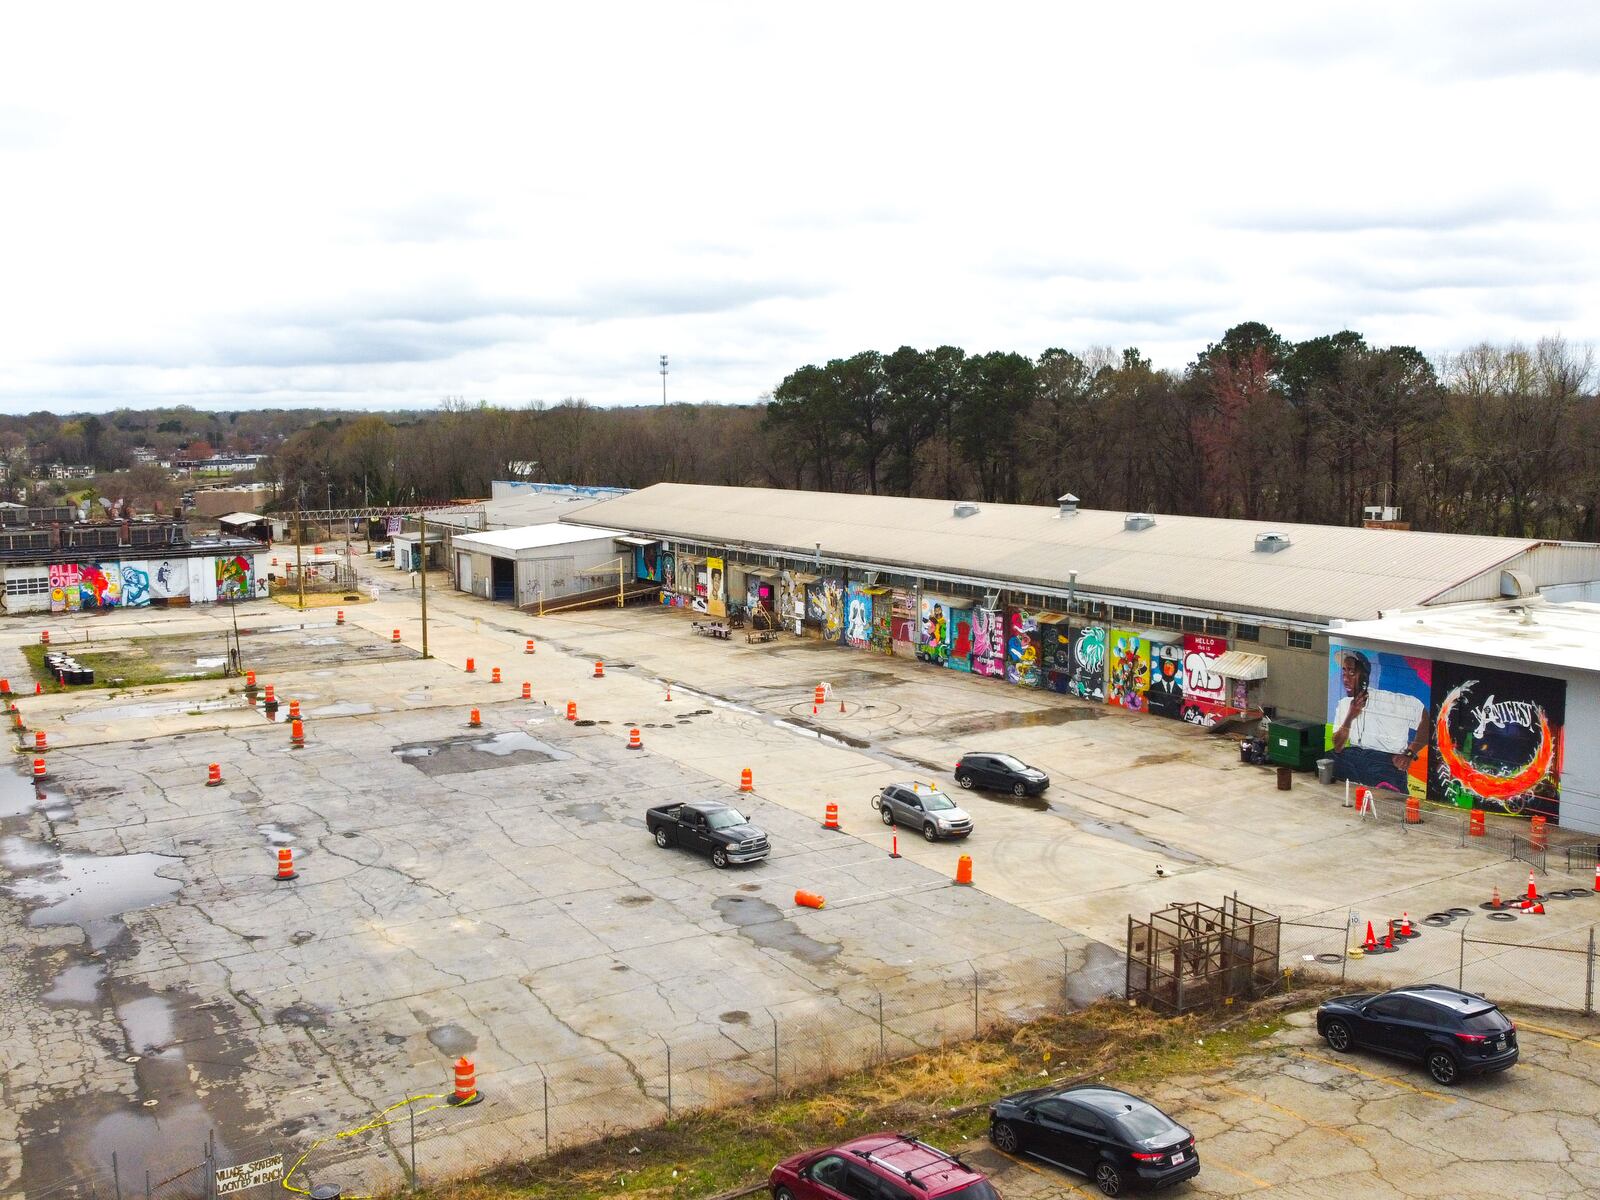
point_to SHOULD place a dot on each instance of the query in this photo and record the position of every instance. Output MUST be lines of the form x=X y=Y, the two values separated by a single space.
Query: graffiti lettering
x=1504 y=714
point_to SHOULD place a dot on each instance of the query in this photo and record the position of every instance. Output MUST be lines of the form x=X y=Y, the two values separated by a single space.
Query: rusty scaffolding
x=1194 y=955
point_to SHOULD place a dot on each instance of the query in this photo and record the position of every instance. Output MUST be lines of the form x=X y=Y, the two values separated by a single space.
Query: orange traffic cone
x=1405 y=924
x=1494 y=900
x=38 y=689
x=809 y=900
x=1371 y=943
x=1388 y=938
x=1533 y=892
x=214 y=775
x=964 y=870
x=669 y=691
x=527 y=690
x=1537 y=909
x=894 y=845
x=286 y=864
x=830 y=818
x=841 y=705
x=599 y=670
x=746 y=781
x=1597 y=877
x=633 y=740
x=466 y=1084
x=572 y=710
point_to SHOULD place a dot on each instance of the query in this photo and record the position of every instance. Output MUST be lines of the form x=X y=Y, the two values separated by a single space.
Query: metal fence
x=531 y=1111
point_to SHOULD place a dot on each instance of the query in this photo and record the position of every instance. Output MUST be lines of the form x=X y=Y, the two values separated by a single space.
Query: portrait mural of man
x=1378 y=717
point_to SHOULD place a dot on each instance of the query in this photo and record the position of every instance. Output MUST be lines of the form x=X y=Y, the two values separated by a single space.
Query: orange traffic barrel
x=249 y=681
x=44 y=637
x=1538 y=838
x=474 y=720
x=38 y=768
x=297 y=733
x=214 y=775
x=1475 y=822
x=1413 y=811
x=270 y=698
x=633 y=740
x=5 y=687
x=466 y=1083
x=830 y=818
x=285 y=863
x=471 y=666
x=572 y=710
x=818 y=696
x=529 y=650
x=39 y=740
x=294 y=709
x=316 y=549
x=964 y=869
x=809 y=900
x=494 y=676
x=746 y=781
x=599 y=670
x=527 y=691
x=396 y=636
x=339 y=617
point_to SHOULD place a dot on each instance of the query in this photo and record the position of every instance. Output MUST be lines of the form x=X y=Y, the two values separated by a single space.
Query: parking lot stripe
x=1298 y=1116
x=1211 y=1161
x=1050 y=1175
x=1380 y=1078
x=1558 y=1033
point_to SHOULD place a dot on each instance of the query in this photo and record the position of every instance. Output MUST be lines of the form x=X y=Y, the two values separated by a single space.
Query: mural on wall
x=168 y=580
x=647 y=564
x=716 y=600
x=1023 y=657
x=933 y=630
x=135 y=585
x=857 y=616
x=988 y=642
x=1055 y=653
x=832 y=610
x=1127 y=670
x=234 y=577
x=1165 y=697
x=65 y=587
x=1498 y=738
x=1089 y=663
x=100 y=586
x=959 y=628
x=882 y=620
x=816 y=604
x=1378 y=718
x=1205 y=693
x=903 y=622
x=684 y=575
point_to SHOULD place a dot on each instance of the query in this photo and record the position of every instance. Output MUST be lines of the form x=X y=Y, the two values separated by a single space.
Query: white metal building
x=538 y=563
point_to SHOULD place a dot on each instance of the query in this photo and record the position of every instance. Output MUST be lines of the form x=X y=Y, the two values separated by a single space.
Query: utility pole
x=299 y=565
x=663 y=381
x=422 y=548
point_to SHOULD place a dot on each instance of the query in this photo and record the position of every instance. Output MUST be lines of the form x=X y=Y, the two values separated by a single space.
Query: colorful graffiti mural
x=234 y=578
x=857 y=616
x=65 y=593
x=647 y=564
x=1023 y=660
x=933 y=630
x=882 y=620
x=1165 y=697
x=1127 y=670
x=903 y=622
x=1497 y=740
x=1378 y=718
x=988 y=642
x=1205 y=693
x=832 y=609
x=1055 y=653
x=715 y=594
x=135 y=585
x=1089 y=663
x=960 y=632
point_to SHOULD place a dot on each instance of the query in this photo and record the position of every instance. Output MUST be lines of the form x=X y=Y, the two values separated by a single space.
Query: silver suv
x=920 y=806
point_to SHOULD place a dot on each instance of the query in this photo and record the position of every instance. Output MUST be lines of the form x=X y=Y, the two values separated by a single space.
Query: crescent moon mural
x=1491 y=785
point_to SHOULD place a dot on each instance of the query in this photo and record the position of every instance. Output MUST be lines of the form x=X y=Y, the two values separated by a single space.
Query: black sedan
x=1115 y=1139
x=1000 y=773
x=1451 y=1032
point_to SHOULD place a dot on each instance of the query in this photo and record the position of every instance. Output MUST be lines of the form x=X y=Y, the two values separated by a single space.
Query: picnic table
x=716 y=629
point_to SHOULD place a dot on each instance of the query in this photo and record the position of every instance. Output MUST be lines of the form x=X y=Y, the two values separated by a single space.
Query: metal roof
x=531 y=537
x=1523 y=633
x=1323 y=572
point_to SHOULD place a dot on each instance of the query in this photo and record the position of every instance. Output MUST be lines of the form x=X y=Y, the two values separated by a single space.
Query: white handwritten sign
x=249 y=1175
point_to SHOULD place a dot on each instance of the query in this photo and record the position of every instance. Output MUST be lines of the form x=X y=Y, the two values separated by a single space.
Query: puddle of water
x=88 y=890
x=147 y=1022
x=1103 y=974
x=417 y=697
x=276 y=835
x=322 y=641
x=153 y=708
x=416 y=751
x=511 y=743
x=302 y=1015
x=453 y=1039
x=18 y=795
x=209 y=664
x=992 y=722
x=79 y=984
x=342 y=708
x=765 y=925
x=1126 y=834
x=148 y=1138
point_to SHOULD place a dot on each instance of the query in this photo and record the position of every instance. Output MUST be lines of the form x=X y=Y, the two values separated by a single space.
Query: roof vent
x=966 y=509
x=1516 y=584
x=1138 y=521
x=1271 y=542
x=1069 y=504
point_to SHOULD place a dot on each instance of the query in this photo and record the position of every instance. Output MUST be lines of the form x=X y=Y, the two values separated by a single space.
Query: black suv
x=1000 y=773
x=1451 y=1032
x=1115 y=1139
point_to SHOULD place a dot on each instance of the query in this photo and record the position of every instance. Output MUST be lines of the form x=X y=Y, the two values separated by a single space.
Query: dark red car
x=882 y=1166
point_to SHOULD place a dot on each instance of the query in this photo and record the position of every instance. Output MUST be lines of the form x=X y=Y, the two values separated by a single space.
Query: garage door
x=463 y=570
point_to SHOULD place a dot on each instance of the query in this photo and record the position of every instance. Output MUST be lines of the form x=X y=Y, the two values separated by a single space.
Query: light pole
x=663 y=381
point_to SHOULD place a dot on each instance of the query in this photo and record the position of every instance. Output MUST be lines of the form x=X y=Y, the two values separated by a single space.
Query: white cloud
x=383 y=204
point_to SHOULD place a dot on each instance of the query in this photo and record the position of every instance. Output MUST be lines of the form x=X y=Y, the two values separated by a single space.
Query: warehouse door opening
x=504 y=580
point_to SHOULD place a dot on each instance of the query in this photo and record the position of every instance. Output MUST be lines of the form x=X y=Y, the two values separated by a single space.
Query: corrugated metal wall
x=1547 y=564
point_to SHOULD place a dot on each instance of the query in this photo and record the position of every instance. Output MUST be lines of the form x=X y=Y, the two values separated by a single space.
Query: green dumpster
x=1296 y=744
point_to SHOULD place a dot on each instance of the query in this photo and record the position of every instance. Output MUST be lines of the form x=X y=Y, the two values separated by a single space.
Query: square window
x=1247 y=633
x=1194 y=624
x=1216 y=628
x=1299 y=639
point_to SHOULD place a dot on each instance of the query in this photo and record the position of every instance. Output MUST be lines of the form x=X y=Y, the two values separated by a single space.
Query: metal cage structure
x=1191 y=955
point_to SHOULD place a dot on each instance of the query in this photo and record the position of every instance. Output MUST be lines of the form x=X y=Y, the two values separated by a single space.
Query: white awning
x=637 y=541
x=1236 y=664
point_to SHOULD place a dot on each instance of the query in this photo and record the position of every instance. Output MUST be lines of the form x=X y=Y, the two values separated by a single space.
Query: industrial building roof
x=1323 y=572
x=531 y=537
x=1523 y=631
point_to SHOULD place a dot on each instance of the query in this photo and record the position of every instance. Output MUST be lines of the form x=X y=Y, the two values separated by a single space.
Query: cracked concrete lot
x=493 y=892
x=1300 y=1121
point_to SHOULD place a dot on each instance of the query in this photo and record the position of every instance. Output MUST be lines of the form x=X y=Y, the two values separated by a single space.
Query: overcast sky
x=377 y=206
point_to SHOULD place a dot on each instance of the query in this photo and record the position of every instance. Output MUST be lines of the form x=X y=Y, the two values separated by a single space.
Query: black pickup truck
x=710 y=827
